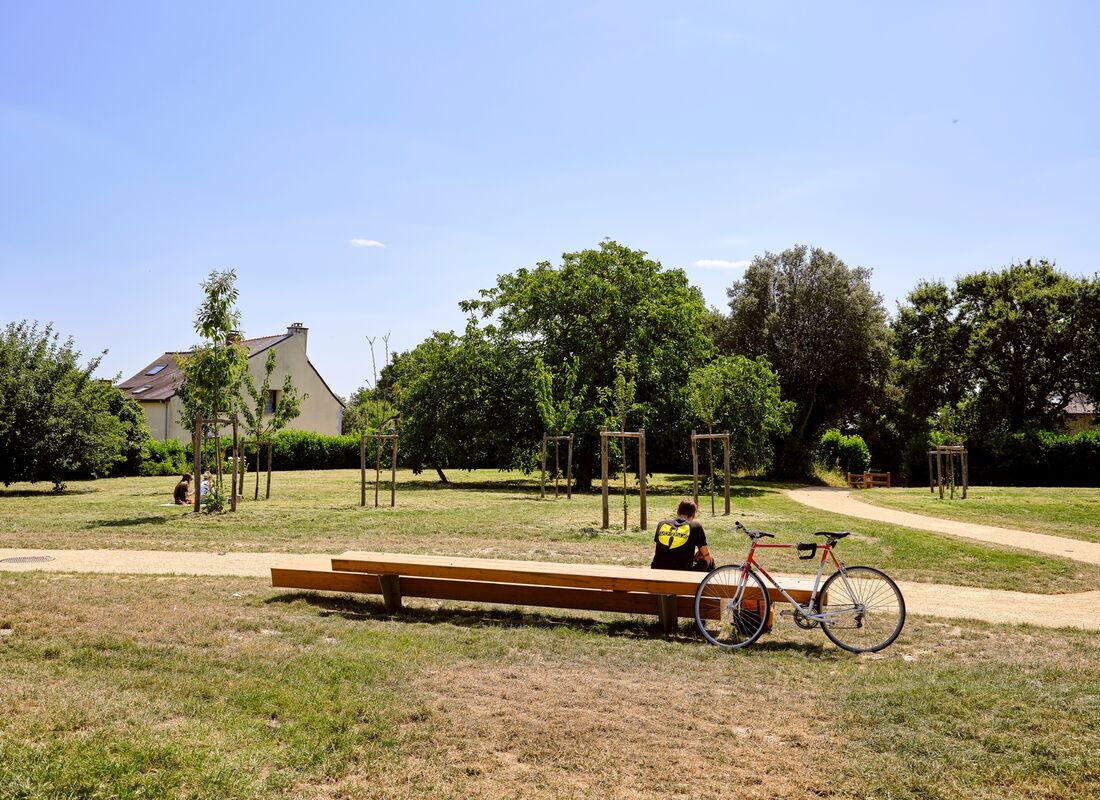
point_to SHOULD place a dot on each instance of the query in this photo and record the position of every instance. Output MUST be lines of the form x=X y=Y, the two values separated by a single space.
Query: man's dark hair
x=687 y=508
x=186 y=476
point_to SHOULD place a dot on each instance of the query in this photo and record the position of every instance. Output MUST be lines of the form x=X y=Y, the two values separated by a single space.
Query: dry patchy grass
x=174 y=687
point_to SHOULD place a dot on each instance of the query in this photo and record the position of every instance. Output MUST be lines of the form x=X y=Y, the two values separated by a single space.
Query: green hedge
x=305 y=450
x=289 y=450
x=1037 y=458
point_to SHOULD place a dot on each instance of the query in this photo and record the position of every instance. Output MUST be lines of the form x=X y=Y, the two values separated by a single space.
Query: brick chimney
x=298 y=329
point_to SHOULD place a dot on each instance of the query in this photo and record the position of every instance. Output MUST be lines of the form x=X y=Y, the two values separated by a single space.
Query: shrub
x=846 y=453
x=164 y=458
x=307 y=450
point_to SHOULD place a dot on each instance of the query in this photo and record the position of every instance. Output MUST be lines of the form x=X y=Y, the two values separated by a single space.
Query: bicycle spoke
x=866 y=610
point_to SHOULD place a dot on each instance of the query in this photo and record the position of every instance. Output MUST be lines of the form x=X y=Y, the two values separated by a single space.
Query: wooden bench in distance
x=669 y=594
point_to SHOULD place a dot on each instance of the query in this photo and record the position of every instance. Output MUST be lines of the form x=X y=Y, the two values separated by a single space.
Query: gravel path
x=935 y=600
x=844 y=501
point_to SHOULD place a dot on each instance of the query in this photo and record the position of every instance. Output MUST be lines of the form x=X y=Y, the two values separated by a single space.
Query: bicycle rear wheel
x=732 y=607
x=867 y=611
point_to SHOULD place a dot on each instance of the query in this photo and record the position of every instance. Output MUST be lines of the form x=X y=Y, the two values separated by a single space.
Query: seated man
x=182 y=494
x=681 y=542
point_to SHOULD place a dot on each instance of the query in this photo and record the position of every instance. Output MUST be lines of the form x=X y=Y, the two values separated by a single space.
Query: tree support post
x=542 y=475
x=236 y=467
x=694 y=470
x=641 y=476
x=196 y=445
x=362 y=467
x=605 y=434
x=603 y=479
x=569 y=469
x=726 y=469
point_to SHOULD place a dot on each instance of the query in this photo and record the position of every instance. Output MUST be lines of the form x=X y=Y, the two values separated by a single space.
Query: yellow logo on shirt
x=673 y=536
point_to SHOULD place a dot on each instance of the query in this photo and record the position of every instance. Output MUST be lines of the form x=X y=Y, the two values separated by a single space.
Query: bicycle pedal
x=786 y=612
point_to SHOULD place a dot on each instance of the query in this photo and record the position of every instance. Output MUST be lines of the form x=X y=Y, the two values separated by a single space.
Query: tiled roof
x=166 y=381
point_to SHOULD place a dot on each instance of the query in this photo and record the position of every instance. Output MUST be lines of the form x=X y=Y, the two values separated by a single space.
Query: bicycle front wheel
x=863 y=609
x=732 y=607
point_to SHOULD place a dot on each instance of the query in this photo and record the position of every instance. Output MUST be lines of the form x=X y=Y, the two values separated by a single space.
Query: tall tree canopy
x=1000 y=351
x=465 y=401
x=56 y=421
x=822 y=328
x=597 y=303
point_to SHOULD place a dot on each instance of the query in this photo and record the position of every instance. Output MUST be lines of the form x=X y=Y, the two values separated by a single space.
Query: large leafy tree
x=56 y=421
x=596 y=303
x=999 y=352
x=823 y=329
x=465 y=401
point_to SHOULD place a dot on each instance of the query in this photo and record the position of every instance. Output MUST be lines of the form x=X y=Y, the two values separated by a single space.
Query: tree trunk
x=439 y=472
x=585 y=464
x=256 y=496
x=268 y=495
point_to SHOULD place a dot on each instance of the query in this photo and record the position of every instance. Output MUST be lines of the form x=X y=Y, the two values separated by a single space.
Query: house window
x=155 y=369
x=140 y=389
x=269 y=403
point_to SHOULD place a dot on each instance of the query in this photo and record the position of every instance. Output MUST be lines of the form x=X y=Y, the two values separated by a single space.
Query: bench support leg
x=666 y=612
x=391 y=592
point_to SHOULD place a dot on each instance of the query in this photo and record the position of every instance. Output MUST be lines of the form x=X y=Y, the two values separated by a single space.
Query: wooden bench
x=868 y=480
x=669 y=594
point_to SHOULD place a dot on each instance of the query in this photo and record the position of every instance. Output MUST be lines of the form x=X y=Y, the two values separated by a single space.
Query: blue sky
x=144 y=144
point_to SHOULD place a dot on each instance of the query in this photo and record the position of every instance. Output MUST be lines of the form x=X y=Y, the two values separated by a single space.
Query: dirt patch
x=534 y=728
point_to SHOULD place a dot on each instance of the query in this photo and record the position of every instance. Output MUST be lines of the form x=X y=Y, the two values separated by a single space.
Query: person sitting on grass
x=182 y=494
x=681 y=543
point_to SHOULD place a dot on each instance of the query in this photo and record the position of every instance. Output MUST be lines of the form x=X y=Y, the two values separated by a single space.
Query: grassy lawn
x=493 y=514
x=140 y=687
x=1056 y=511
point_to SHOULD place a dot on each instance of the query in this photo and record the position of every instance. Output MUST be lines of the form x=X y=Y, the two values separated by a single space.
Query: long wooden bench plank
x=482 y=592
x=542 y=573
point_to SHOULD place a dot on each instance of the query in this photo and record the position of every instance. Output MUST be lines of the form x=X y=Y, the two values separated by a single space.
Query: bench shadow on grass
x=126 y=522
x=355 y=609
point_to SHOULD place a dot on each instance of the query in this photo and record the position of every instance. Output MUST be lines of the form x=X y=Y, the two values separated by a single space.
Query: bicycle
x=860 y=609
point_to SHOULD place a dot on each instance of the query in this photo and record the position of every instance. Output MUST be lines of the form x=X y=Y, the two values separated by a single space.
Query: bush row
x=1037 y=458
x=289 y=450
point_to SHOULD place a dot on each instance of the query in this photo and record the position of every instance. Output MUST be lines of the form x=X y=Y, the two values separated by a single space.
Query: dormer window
x=139 y=390
x=155 y=369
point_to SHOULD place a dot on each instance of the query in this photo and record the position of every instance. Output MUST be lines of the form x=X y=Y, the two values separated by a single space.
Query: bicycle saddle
x=832 y=534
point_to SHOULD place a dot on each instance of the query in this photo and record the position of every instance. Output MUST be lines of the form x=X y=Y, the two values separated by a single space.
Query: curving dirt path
x=935 y=600
x=843 y=501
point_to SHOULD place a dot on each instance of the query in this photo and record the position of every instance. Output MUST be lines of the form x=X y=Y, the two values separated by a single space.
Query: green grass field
x=139 y=687
x=179 y=687
x=1056 y=511
x=496 y=515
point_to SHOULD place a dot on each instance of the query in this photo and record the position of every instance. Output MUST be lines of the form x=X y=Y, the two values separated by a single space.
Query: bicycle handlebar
x=753 y=534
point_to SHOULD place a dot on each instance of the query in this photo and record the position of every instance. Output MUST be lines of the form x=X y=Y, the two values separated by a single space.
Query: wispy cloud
x=366 y=243
x=721 y=263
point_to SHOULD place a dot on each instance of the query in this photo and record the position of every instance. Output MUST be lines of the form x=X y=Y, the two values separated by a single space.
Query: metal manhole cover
x=25 y=559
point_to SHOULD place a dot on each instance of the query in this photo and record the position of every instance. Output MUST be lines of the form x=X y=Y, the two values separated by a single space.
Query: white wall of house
x=321 y=412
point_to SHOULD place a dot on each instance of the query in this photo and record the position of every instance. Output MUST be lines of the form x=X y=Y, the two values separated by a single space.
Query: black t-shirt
x=180 y=494
x=676 y=540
